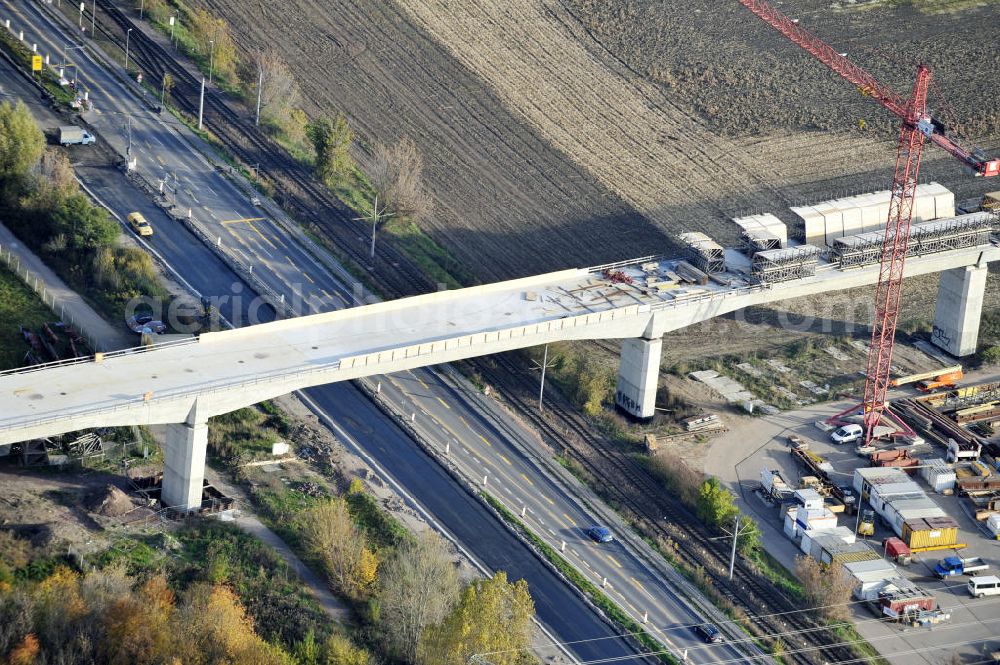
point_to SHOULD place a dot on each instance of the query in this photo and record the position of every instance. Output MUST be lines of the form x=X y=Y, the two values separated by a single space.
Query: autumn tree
x=418 y=586
x=21 y=141
x=215 y=43
x=397 y=175
x=216 y=629
x=827 y=588
x=339 y=651
x=279 y=92
x=492 y=617
x=332 y=139
x=26 y=652
x=330 y=534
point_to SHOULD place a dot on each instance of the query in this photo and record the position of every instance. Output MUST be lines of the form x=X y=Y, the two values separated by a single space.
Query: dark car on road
x=709 y=633
x=600 y=534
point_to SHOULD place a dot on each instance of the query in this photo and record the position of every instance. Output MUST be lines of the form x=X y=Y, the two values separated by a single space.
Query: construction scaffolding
x=760 y=233
x=706 y=254
x=926 y=238
x=781 y=265
x=759 y=241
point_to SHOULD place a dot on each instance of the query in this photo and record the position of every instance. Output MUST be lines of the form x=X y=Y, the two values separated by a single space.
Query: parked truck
x=947 y=380
x=953 y=565
x=72 y=135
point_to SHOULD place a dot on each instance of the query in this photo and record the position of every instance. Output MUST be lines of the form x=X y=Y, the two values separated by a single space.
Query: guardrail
x=622 y=264
x=180 y=393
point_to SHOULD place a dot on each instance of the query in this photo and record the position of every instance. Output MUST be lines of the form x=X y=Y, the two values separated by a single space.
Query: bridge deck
x=275 y=353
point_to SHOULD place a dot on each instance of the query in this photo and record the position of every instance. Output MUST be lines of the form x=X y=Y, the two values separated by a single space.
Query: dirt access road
x=565 y=132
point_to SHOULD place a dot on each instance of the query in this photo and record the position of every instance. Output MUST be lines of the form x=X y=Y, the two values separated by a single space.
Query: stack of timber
x=691 y=274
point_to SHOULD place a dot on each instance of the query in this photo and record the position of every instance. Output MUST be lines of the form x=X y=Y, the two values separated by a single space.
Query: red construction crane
x=916 y=126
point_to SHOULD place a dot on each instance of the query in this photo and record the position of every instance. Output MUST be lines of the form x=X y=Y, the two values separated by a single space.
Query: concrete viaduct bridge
x=183 y=384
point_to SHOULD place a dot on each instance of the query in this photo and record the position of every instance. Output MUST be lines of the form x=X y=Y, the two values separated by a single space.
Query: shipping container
x=848 y=553
x=900 y=597
x=864 y=478
x=814 y=542
x=934 y=532
x=809 y=499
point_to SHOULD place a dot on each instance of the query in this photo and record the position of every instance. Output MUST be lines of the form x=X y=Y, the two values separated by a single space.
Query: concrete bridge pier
x=184 y=462
x=959 y=306
x=638 y=375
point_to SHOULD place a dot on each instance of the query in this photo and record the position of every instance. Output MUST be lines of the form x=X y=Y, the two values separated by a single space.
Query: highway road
x=193 y=179
x=362 y=425
x=481 y=446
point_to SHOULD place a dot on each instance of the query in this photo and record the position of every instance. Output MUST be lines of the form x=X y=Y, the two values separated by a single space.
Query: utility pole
x=128 y=33
x=201 y=102
x=173 y=20
x=82 y=6
x=375 y=216
x=211 y=58
x=543 y=366
x=142 y=6
x=732 y=556
x=93 y=21
x=260 y=87
x=163 y=88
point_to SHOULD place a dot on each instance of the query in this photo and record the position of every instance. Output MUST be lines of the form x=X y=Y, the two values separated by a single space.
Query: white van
x=847 y=434
x=988 y=585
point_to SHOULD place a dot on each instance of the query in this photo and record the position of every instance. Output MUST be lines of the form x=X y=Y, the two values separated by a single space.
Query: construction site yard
x=737 y=456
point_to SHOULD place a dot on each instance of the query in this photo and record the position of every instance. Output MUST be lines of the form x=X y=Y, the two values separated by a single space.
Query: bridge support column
x=184 y=464
x=959 y=306
x=638 y=376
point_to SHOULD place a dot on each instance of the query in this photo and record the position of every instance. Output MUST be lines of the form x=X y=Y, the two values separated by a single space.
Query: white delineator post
x=959 y=307
x=184 y=462
x=638 y=376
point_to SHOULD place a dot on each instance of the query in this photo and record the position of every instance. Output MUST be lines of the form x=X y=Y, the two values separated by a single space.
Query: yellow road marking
x=160 y=160
x=462 y=418
x=638 y=583
x=248 y=220
x=549 y=500
x=423 y=383
x=504 y=458
x=485 y=440
x=327 y=294
x=613 y=560
x=530 y=481
x=570 y=519
x=444 y=403
x=306 y=275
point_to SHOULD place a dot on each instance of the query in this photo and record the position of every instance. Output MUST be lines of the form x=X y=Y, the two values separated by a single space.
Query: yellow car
x=139 y=223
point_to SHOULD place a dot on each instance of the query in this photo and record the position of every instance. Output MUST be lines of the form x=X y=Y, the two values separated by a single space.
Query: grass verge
x=18 y=306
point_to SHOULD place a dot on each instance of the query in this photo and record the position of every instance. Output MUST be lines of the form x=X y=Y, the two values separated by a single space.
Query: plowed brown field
x=569 y=132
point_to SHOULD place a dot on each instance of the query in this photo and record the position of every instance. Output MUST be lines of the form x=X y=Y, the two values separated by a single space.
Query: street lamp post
x=142 y=6
x=82 y=5
x=93 y=21
x=173 y=21
x=211 y=58
x=127 y=34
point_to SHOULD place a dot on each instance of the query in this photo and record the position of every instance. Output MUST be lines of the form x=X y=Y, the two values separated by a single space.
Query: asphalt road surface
x=555 y=515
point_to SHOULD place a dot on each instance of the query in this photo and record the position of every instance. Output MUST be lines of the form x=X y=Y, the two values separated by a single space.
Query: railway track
x=297 y=190
x=630 y=486
x=300 y=193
